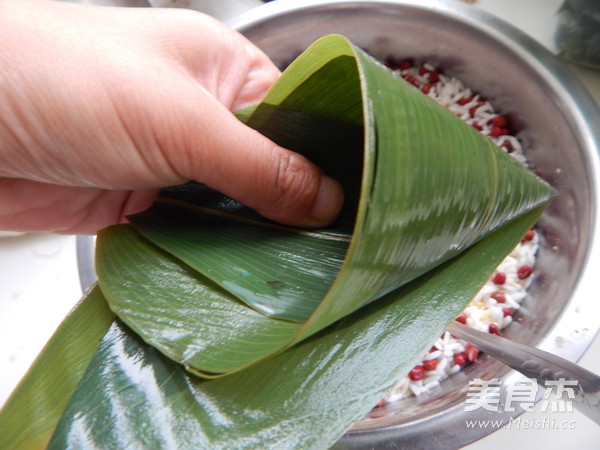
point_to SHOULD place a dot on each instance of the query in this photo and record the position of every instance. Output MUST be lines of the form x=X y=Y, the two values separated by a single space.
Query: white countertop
x=39 y=282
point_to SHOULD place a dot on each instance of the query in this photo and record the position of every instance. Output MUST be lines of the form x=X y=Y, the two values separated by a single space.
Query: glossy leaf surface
x=304 y=398
x=432 y=208
x=182 y=313
x=269 y=267
x=29 y=416
x=422 y=186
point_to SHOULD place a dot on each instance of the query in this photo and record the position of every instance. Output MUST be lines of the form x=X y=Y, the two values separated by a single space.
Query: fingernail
x=328 y=203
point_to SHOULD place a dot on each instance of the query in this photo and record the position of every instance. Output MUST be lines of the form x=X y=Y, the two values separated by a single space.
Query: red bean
x=460 y=359
x=499 y=296
x=430 y=364
x=496 y=132
x=528 y=236
x=499 y=278
x=462 y=318
x=412 y=80
x=405 y=64
x=499 y=121
x=508 y=146
x=476 y=125
x=472 y=352
x=524 y=272
x=473 y=109
x=417 y=373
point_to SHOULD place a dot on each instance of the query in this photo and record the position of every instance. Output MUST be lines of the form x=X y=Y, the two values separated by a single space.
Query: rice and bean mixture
x=492 y=308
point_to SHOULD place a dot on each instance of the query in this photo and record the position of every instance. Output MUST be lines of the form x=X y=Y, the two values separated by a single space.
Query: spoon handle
x=539 y=365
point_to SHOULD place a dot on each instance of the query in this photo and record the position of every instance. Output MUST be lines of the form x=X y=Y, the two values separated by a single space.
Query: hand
x=100 y=107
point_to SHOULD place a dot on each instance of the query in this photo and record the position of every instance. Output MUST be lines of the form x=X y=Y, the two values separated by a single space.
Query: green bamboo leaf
x=219 y=332
x=422 y=187
x=433 y=208
x=29 y=416
x=305 y=398
x=270 y=267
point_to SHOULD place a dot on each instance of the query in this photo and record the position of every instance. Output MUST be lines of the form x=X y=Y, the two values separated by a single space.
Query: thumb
x=279 y=184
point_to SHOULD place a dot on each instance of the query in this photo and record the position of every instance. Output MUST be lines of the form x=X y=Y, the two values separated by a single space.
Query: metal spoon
x=537 y=364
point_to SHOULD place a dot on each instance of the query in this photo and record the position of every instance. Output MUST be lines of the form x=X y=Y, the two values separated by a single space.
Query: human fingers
x=279 y=184
x=32 y=206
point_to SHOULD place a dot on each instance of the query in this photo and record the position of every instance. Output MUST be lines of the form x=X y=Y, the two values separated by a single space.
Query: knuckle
x=296 y=183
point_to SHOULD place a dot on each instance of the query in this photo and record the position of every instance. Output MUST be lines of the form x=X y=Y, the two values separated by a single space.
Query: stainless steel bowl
x=559 y=125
